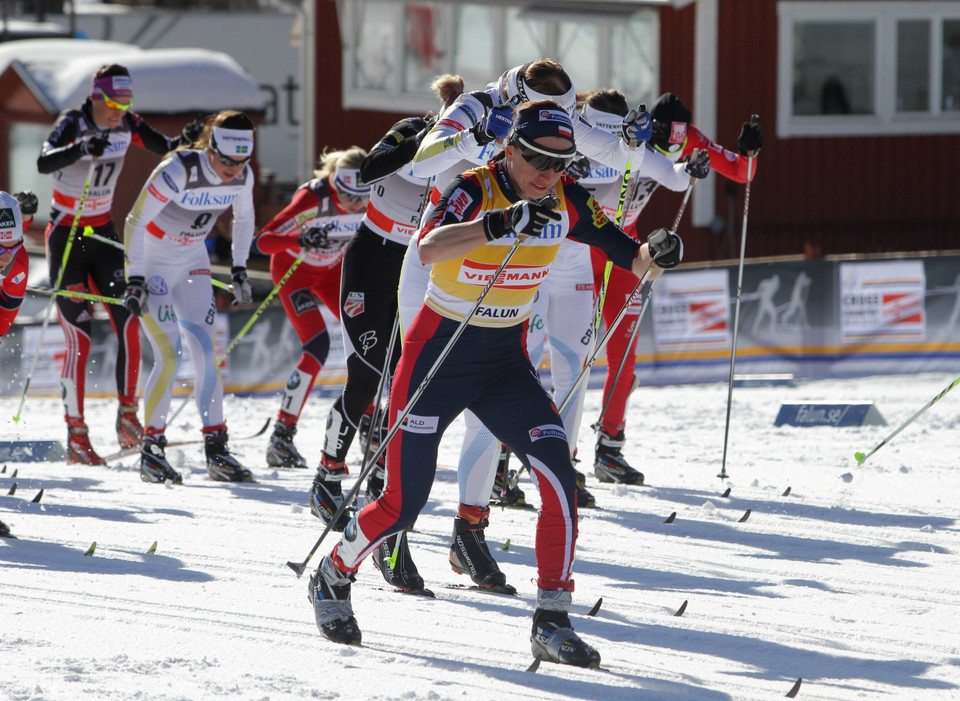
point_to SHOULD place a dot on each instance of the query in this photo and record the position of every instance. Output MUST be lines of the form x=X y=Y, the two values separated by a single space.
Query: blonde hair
x=347 y=158
x=447 y=88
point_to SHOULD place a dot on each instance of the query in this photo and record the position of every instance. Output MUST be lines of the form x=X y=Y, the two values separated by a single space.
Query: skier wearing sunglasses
x=85 y=154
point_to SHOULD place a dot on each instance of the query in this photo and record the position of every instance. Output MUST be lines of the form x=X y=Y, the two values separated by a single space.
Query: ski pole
x=861 y=457
x=299 y=567
x=736 y=313
x=63 y=264
x=643 y=310
x=247 y=326
x=78 y=295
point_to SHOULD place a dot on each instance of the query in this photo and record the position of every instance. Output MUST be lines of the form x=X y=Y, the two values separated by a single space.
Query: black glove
x=316 y=237
x=751 y=138
x=135 y=297
x=242 y=289
x=580 y=168
x=192 y=131
x=525 y=217
x=496 y=124
x=28 y=202
x=428 y=124
x=95 y=145
x=666 y=248
x=637 y=127
x=698 y=163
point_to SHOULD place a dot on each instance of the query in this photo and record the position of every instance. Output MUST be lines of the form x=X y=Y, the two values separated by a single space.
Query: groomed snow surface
x=851 y=581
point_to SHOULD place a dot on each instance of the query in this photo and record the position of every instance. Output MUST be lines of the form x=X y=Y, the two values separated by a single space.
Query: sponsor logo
x=152 y=189
x=7 y=218
x=205 y=198
x=354 y=304
x=497 y=312
x=548 y=431
x=458 y=203
x=302 y=301
x=368 y=339
x=200 y=271
x=166 y=313
x=517 y=277
x=597 y=215
x=157 y=285
x=581 y=286
x=169 y=181
x=17 y=279
x=420 y=424
x=294 y=380
x=553 y=116
x=678 y=132
x=452 y=123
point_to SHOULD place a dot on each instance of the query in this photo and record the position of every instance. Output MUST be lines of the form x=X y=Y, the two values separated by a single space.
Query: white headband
x=11 y=221
x=607 y=121
x=233 y=143
x=348 y=180
x=517 y=91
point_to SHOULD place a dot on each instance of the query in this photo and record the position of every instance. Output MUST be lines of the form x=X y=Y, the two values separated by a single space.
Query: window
x=25 y=140
x=392 y=50
x=866 y=68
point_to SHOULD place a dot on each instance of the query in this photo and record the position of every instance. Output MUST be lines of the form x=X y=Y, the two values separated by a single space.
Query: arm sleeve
x=282 y=231
x=244 y=218
x=729 y=164
x=392 y=152
x=461 y=201
x=146 y=137
x=12 y=288
x=451 y=141
x=669 y=174
x=61 y=148
x=589 y=225
x=604 y=147
x=151 y=201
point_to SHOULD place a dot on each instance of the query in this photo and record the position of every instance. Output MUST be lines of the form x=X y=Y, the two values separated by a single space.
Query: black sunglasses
x=543 y=161
x=232 y=162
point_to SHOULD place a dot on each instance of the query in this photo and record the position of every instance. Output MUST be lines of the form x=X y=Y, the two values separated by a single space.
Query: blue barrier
x=834 y=414
x=32 y=451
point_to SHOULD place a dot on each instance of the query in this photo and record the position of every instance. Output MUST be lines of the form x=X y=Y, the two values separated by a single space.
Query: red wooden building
x=856 y=99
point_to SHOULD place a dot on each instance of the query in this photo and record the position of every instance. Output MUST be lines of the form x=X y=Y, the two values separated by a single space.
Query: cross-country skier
x=368 y=309
x=169 y=285
x=101 y=130
x=477 y=222
x=16 y=214
x=320 y=220
x=677 y=140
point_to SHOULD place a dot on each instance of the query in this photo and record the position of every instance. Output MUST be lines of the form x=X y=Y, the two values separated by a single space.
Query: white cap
x=11 y=220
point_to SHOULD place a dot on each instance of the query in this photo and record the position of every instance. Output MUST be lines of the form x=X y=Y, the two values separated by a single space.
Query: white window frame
x=398 y=100
x=885 y=120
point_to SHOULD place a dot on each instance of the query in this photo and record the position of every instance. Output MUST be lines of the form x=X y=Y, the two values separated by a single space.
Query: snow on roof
x=165 y=81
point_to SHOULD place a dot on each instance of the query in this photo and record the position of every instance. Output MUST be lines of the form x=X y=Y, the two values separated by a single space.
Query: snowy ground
x=851 y=581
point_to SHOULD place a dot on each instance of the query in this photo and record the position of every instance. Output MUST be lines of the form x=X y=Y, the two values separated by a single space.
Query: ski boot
x=329 y=593
x=610 y=465
x=129 y=430
x=281 y=452
x=5 y=531
x=469 y=553
x=221 y=465
x=585 y=500
x=79 y=450
x=326 y=495
x=553 y=638
x=153 y=461
x=392 y=558
x=505 y=489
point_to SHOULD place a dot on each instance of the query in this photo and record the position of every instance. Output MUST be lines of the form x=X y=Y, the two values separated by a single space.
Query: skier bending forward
x=473 y=227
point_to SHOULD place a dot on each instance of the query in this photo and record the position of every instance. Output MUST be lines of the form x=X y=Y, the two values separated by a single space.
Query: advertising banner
x=882 y=301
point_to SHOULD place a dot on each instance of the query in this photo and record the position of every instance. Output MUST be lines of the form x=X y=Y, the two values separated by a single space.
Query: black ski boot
x=553 y=638
x=221 y=465
x=610 y=465
x=469 y=553
x=153 y=461
x=392 y=557
x=585 y=500
x=505 y=489
x=326 y=495
x=5 y=531
x=329 y=593
x=281 y=452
